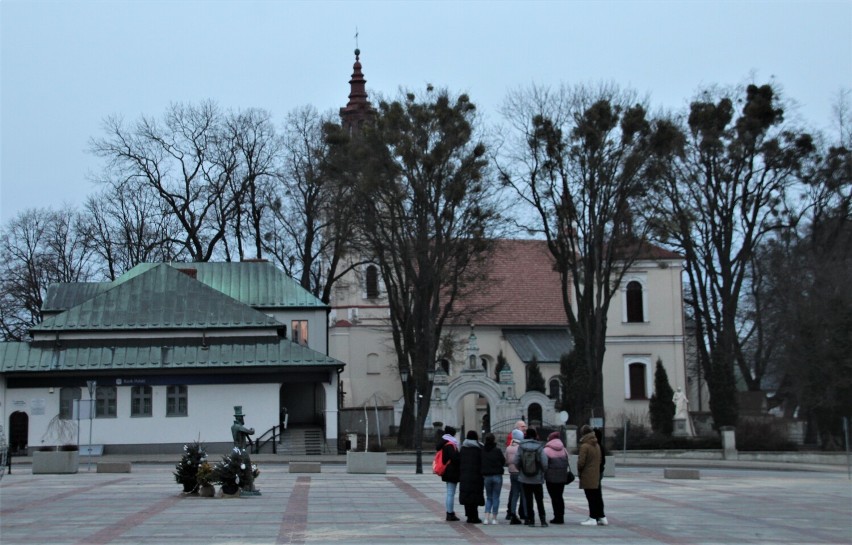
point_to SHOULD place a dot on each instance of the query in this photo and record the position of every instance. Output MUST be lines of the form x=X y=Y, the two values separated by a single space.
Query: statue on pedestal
x=680 y=401
x=242 y=439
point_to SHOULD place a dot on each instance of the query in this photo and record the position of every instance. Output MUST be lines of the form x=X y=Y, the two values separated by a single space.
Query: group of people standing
x=476 y=470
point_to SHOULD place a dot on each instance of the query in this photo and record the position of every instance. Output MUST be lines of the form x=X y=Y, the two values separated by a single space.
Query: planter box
x=366 y=462
x=59 y=461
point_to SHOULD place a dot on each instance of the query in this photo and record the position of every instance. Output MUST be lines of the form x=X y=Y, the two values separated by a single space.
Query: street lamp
x=93 y=389
x=418 y=427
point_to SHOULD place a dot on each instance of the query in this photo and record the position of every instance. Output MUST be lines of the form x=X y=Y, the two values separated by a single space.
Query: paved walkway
x=746 y=506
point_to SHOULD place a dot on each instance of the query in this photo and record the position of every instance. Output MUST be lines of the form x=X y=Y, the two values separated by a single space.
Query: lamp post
x=418 y=427
x=93 y=388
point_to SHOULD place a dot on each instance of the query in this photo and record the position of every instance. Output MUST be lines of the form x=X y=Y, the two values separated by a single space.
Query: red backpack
x=438 y=465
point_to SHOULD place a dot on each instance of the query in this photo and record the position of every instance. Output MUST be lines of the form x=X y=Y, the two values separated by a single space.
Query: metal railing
x=270 y=435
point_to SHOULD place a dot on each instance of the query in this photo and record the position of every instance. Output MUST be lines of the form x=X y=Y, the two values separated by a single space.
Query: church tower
x=358 y=109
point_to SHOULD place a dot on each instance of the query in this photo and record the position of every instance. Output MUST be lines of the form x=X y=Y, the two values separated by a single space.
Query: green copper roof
x=21 y=357
x=157 y=298
x=258 y=284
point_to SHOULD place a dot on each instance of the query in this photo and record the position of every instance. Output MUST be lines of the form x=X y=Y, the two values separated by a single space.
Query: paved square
x=146 y=507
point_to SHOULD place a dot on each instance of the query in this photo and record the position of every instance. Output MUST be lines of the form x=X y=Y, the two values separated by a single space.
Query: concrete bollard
x=729 y=443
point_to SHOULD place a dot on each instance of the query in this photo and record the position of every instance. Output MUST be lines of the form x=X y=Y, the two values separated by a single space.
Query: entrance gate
x=504 y=405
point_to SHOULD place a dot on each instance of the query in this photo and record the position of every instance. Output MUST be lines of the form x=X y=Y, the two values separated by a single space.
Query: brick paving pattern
x=742 y=506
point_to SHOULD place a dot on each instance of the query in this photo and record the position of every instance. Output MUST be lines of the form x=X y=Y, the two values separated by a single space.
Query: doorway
x=19 y=433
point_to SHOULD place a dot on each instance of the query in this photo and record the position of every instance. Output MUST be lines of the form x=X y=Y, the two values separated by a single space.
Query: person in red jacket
x=519 y=425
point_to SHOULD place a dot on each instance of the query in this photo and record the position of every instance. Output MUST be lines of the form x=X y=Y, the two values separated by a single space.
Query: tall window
x=176 y=401
x=371 y=279
x=635 y=310
x=66 y=402
x=105 y=402
x=140 y=401
x=637 y=374
x=299 y=330
x=553 y=388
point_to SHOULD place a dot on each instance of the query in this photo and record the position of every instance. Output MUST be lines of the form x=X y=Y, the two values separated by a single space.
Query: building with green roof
x=172 y=348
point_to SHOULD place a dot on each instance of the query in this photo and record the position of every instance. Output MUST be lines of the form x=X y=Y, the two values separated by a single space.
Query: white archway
x=504 y=406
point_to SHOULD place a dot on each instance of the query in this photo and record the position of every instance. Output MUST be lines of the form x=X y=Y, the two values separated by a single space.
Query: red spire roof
x=358 y=108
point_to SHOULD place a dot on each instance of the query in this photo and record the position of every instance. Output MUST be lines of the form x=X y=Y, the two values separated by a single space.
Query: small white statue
x=680 y=401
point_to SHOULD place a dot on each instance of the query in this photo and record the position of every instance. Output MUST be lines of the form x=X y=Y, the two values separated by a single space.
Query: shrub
x=639 y=438
x=762 y=435
x=661 y=407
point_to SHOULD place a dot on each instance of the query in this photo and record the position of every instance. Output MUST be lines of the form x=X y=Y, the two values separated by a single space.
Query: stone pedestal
x=366 y=462
x=56 y=461
x=729 y=443
x=680 y=427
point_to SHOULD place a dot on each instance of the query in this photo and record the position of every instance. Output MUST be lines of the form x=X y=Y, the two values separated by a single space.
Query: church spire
x=358 y=109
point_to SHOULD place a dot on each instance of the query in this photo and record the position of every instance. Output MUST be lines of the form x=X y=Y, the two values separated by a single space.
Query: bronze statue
x=239 y=431
x=242 y=439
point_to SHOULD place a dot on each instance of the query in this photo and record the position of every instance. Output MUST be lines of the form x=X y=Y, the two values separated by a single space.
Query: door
x=19 y=432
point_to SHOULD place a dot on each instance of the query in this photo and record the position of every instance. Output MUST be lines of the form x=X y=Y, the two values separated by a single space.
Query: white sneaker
x=589 y=522
x=494 y=519
x=603 y=522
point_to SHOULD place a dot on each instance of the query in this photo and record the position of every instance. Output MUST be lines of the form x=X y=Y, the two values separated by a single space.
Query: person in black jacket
x=450 y=455
x=493 y=461
x=471 y=482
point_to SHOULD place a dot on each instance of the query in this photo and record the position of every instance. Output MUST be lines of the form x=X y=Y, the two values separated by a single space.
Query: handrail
x=260 y=442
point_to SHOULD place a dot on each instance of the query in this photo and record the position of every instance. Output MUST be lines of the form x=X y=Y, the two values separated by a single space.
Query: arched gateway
x=501 y=396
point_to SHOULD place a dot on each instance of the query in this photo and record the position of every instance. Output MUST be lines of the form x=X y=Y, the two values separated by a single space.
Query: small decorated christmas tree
x=186 y=470
x=235 y=472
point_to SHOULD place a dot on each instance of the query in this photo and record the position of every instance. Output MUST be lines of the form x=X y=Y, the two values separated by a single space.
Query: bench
x=113 y=467
x=304 y=467
x=680 y=473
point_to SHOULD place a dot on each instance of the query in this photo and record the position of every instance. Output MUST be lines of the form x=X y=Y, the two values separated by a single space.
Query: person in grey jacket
x=532 y=484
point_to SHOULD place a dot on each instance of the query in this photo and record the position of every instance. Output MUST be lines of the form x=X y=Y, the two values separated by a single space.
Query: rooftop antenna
x=356 y=37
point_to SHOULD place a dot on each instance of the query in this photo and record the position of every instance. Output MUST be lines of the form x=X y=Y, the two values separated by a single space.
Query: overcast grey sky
x=66 y=65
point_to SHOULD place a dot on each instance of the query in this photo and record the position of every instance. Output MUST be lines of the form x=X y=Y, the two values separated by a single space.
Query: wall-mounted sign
x=37 y=405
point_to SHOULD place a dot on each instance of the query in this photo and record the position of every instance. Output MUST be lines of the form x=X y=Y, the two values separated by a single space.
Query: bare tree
x=310 y=218
x=426 y=210
x=582 y=159
x=724 y=195
x=128 y=225
x=187 y=163
x=248 y=138
x=37 y=248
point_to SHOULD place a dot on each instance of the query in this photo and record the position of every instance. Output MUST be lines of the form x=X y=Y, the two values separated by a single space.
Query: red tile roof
x=522 y=289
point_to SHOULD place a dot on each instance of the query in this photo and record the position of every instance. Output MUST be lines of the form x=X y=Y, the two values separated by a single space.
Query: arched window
x=637 y=373
x=445 y=365
x=371 y=280
x=374 y=365
x=635 y=305
x=66 y=402
x=553 y=389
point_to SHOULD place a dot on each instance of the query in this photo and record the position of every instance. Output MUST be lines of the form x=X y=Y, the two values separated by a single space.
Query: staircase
x=303 y=440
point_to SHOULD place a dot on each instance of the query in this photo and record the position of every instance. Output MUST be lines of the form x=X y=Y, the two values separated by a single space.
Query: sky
x=67 y=65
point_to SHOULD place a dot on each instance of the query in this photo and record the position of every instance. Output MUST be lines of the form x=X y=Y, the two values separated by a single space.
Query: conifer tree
x=661 y=406
x=535 y=380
